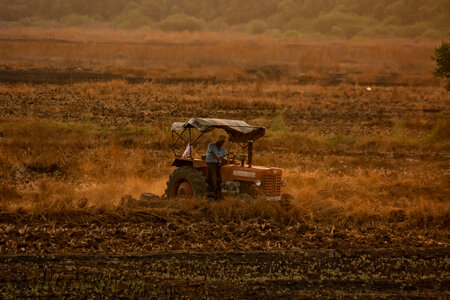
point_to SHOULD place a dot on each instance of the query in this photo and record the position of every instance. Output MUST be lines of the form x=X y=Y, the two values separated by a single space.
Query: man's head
x=220 y=141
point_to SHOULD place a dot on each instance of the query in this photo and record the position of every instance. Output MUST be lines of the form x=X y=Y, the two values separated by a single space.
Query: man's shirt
x=213 y=148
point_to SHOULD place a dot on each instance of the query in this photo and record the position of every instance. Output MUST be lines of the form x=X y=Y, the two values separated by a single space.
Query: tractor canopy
x=239 y=131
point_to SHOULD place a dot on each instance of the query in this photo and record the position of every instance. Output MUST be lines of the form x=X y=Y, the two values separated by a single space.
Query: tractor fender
x=182 y=162
x=179 y=162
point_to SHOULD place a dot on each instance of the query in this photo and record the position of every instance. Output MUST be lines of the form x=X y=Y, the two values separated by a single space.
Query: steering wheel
x=231 y=156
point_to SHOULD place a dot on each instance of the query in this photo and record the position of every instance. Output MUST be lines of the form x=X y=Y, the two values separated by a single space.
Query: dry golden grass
x=224 y=57
x=51 y=168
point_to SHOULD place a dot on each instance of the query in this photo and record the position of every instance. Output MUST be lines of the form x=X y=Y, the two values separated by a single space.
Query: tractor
x=240 y=178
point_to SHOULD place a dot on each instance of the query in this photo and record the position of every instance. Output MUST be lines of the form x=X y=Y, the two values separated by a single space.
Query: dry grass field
x=84 y=130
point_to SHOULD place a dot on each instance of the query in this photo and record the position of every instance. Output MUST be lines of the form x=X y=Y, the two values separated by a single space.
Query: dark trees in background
x=340 y=18
x=442 y=58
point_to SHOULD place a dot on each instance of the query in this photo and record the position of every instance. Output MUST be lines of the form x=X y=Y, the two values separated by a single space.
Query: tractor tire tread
x=195 y=178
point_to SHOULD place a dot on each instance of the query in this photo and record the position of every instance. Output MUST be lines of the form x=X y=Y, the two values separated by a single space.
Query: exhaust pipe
x=250 y=152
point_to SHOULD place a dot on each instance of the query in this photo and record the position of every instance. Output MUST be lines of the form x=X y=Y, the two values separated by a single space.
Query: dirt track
x=74 y=75
x=412 y=273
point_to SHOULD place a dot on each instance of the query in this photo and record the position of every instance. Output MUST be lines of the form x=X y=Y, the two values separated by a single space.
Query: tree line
x=340 y=18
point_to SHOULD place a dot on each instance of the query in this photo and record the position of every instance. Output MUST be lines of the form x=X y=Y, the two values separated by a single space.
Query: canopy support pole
x=250 y=153
x=190 y=145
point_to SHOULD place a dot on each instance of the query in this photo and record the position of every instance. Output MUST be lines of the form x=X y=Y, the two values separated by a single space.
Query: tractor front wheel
x=186 y=182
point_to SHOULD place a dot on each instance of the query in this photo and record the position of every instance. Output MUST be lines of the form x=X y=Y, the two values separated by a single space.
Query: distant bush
x=343 y=18
x=391 y=20
x=292 y=33
x=77 y=20
x=299 y=23
x=442 y=59
x=274 y=32
x=180 y=22
x=344 y=24
x=412 y=31
x=442 y=22
x=218 y=24
x=338 y=31
x=386 y=31
x=132 y=19
x=431 y=34
x=26 y=21
x=256 y=27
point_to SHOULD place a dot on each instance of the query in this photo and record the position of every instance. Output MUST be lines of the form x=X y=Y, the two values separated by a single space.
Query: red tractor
x=239 y=177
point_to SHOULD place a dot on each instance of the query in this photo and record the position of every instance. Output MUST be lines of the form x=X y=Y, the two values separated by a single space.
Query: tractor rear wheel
x=186 y=182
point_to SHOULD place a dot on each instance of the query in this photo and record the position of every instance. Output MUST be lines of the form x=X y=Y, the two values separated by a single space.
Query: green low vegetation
x=342 y=19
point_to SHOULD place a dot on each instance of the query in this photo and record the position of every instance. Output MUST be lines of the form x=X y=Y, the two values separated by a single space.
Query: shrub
x=442 y=59
x=180 y=22
x=338 y=31
x=218 y=24
x=77 y=20
x=256 y=27
x=431 y=34
x=132 y=19
x=412 y=31
x=299 y=23
x=350 y=24
x=274 y=32
x=292 y=33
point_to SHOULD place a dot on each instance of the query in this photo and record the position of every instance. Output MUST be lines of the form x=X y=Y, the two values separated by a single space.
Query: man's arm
x=224 y=154
x=215 y=156
x=212 y=153
x=221 y=158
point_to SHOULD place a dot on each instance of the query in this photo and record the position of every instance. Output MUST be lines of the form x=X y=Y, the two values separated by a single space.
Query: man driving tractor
x=219 y=172
x=214 y=157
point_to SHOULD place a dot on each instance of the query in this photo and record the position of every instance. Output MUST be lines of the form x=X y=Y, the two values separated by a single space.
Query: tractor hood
x=239 y=131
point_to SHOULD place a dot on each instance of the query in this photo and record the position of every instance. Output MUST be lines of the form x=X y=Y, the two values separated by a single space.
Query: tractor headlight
x=284 y=182
x=258 y=182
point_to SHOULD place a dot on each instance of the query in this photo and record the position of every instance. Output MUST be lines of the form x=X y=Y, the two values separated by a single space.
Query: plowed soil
x=409 y=273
